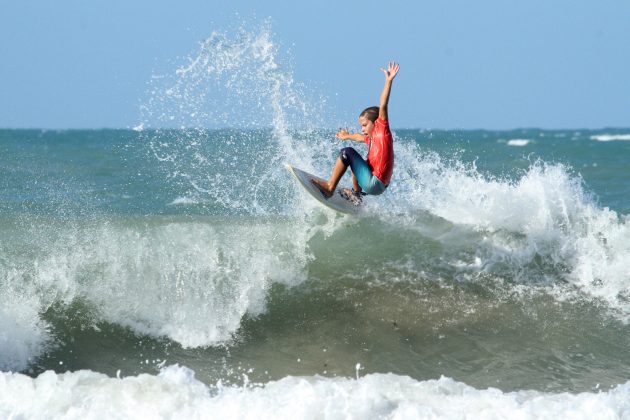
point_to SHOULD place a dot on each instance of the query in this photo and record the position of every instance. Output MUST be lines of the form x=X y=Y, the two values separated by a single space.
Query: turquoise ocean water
x=182 y=272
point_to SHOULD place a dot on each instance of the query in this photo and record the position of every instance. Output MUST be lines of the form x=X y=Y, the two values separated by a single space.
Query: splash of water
x=238 y=81
x=546 y=215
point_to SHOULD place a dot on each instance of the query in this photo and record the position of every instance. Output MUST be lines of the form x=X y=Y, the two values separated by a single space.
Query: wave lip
x=190 y=282
x=175 y=392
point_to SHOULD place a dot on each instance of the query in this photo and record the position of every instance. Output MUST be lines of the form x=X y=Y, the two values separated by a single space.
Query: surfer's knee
x=346 y=155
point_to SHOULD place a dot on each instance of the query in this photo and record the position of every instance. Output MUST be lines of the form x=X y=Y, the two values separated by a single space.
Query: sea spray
x=546 y=214
x=238 y=80
x=23 y=334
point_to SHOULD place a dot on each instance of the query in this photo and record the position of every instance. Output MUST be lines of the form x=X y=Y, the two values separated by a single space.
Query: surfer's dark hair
x=370 y=113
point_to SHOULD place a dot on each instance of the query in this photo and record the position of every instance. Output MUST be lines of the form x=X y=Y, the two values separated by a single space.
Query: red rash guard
x=381 y=151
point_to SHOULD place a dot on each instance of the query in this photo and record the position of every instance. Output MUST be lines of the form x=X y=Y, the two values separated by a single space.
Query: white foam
x=518 y=142
x=545 y=213
x=175 y=393
x=23 y=336
x=611 y=137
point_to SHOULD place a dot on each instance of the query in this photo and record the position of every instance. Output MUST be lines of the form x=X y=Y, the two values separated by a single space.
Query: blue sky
x=485 y=64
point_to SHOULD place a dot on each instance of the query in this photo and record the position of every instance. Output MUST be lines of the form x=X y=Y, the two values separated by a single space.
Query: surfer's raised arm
x=390 y=74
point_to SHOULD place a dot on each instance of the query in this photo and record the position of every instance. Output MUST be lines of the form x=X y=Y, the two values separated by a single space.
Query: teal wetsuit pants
x=369 y=183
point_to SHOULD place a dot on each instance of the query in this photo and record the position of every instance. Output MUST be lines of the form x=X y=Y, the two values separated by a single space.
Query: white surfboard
x=336 y=202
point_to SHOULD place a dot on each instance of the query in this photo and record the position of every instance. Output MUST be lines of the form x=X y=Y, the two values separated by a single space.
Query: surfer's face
x=367 y=126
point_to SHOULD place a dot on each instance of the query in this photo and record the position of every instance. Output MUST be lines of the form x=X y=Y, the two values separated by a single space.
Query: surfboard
x=337 y=201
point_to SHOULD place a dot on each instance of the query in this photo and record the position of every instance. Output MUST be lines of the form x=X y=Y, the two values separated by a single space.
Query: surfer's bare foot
x=323 y=187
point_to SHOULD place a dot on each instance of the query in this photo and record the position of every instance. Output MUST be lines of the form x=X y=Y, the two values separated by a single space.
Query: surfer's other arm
x=390 y=73
x=343 y=134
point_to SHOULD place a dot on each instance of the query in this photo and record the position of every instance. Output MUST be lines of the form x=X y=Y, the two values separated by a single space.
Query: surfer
x=371 y=176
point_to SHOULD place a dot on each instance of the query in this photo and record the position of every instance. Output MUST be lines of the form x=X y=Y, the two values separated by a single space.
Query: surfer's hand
x=343 y=134
x=391 y=71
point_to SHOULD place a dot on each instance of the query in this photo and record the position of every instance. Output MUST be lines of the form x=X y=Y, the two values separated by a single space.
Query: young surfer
x=371 y=176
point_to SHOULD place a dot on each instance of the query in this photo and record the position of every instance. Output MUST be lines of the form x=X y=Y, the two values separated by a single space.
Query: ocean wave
x=611 y=137
x=195 y=282
x=546 y=213
x=175 y=393
x=518 y=142
x=190 y=282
